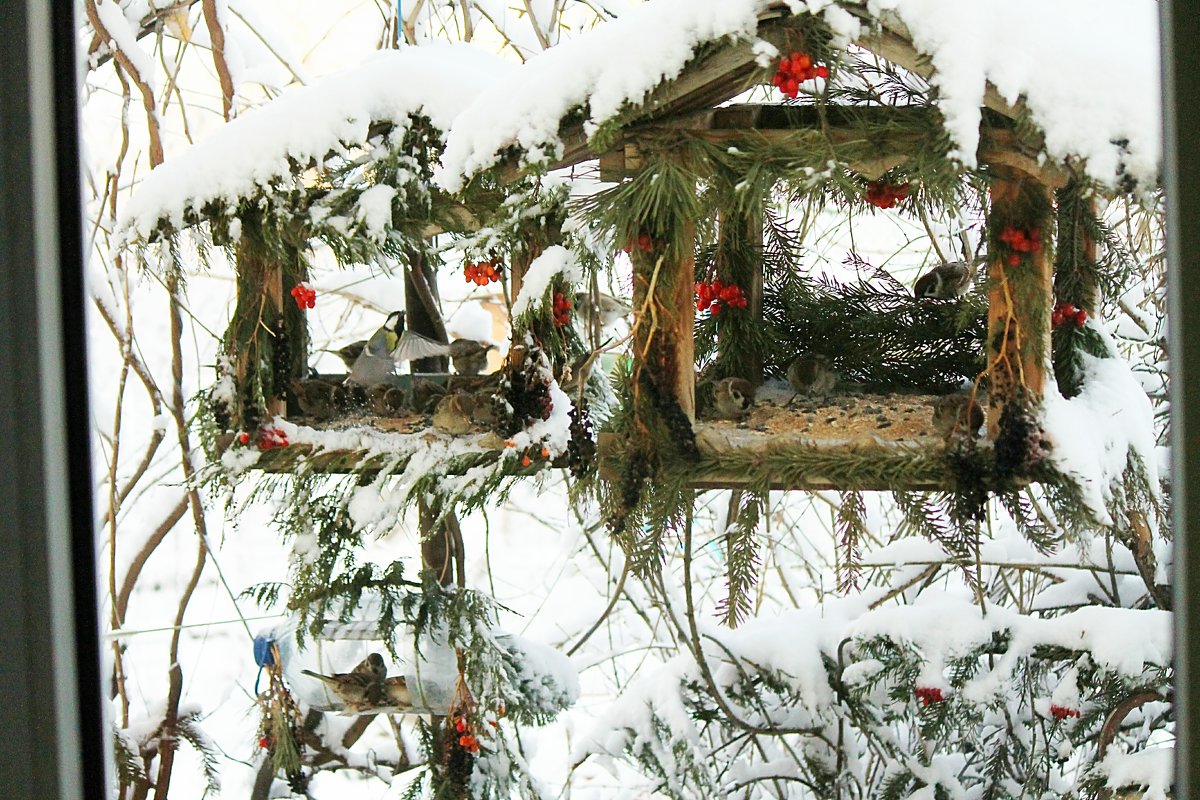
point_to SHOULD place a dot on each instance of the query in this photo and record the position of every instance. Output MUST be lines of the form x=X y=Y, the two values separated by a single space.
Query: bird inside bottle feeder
x=348 y=669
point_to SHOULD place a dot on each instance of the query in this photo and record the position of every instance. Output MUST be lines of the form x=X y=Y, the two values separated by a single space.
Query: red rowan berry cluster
x=1065 y=313
x=795 y=70
x=1020 y=242
x=483 y=273
x=886 y=195
x=712 y=296
x=1062 y=712
x=304 y=296
x=562 y=310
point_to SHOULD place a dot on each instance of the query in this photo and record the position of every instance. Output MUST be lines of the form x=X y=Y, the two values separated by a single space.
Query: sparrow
x=732 y=398
x=957 y=413
x=812 y=374
x=453 y=414
x=362 y=687
x=607 y=307
x=483 y=409
x=385 y=400
x=350 y=353
x=948 y=281
x=396 y=692
x=319 y=399
x=390 y=346
x=426 y=394
x=469 y=356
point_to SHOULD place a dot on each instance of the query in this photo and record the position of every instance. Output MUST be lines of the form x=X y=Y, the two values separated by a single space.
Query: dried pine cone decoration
x=524 y=395
x=634 y=479
x=970 y=480
x=581 y=449
x=678 y=427
x=1020 y=444
x=457 y=765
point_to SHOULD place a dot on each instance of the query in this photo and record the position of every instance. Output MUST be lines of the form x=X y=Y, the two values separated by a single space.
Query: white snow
x=1152 y=769
x=309 y=122
x=654 y=42
x=553 y=261
x=123 y=37
x=1088 y=70
x=375 y=209
x=1093 y=434
x=1056 y=56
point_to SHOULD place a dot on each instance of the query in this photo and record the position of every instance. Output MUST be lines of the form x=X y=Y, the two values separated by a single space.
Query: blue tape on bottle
x=262 y=651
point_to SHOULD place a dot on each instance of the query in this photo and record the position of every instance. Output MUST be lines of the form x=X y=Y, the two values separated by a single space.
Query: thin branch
x=216 y=33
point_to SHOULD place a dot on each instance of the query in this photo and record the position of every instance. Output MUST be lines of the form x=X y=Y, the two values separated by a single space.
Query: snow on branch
x=307 y=123
x=1053 y=59
x=1086 y=70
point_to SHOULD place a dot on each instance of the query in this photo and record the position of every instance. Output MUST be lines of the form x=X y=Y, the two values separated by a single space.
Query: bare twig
x=216 y=33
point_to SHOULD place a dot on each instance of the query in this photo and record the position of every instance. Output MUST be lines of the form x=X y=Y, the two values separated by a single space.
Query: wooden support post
x=422 y=314
x=1020 y=291
x=664 y=315
x=255 y=335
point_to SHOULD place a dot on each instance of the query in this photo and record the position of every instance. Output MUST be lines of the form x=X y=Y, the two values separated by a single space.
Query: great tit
x=390 y=346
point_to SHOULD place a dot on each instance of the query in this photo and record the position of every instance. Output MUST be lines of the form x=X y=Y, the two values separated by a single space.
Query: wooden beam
x=841 y=126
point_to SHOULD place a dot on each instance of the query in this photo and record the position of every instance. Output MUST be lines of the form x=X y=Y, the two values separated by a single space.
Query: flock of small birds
x=367 y=687
x=373 y=363
x=813 y=381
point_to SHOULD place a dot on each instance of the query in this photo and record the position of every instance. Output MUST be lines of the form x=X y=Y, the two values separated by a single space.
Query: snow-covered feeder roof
x=1057 y=57
x=308 y=123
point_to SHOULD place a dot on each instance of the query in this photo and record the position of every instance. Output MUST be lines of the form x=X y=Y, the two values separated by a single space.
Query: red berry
x=304 y=296
x=1013 y=259
x=1062 y=712
x=1080 y=317
x=243 y=438
x=645 y=243
x=460 y=725
x=929 y=694
x=264 y=742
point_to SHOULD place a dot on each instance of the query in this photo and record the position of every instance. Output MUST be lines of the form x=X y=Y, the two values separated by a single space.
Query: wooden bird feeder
x=849 y=442
x=891 y=439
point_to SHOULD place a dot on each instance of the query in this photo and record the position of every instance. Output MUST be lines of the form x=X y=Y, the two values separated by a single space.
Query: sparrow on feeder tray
x=317 y=398
x=453 y=414
x=732 y=398
x=957 y=413
x=812 y=374
x=386 y=401
x=396 y=692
